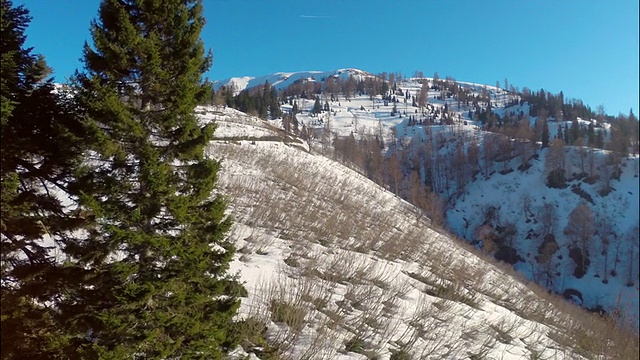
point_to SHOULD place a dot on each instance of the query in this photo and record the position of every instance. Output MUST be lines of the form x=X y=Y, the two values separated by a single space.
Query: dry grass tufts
x=335 y=293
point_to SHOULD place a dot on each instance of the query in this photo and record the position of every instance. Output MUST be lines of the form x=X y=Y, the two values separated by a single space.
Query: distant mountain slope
x=336 y=267
x=281 y=80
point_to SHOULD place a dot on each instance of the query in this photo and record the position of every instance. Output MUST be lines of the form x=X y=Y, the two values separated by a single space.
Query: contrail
x=315 y=16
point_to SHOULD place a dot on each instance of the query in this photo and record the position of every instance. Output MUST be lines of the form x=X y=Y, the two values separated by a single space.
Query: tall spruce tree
x=545 y=133
x=157 y=250
x=39 y=147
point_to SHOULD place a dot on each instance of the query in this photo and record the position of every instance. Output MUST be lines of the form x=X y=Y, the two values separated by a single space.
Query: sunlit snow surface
x=357 y=259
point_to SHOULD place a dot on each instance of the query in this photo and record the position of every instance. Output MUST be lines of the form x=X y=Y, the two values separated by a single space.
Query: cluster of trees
x=622 y=141
x=555 y=105
x=261 y=101
x=421 y=173
x=304 y=89
x=426 y=171
x=334 y=86
x=367 y=154
x=593 y=242
x=113 y=245
x=265 y=101
x=624 y=134
x=385 y=84
x=446 y=172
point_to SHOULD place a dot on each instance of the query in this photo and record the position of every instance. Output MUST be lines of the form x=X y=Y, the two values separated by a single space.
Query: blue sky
x=586 y=48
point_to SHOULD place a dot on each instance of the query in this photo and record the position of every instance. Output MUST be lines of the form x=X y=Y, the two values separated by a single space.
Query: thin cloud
x=316 y=16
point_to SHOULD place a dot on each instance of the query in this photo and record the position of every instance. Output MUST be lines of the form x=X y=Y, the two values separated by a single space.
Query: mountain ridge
x=281 y=80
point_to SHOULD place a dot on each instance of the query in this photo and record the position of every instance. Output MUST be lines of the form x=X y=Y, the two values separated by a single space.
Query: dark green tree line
x=261 y=101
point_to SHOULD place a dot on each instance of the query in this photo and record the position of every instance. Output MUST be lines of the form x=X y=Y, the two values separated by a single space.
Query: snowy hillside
x=336 y=267
x=281 y=80
x=518 y=198
x=611 y=281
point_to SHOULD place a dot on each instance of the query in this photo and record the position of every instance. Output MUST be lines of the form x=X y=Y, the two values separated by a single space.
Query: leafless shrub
x=483 y=351
x=454 y=292
x=292 y=261
x=320 y=345
x=442 y=340
x=445 y=308
x=288 y=313
x=378 y=275
x=400 y=288
x=416 y=326
x=292 y=304
x=342 y=268
x=505 y=330
x=537 y=344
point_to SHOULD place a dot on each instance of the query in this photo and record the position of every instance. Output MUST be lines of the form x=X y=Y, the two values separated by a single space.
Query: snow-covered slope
x=281 y=80
x=336 y=267
x=519 y=197
x=508 y=193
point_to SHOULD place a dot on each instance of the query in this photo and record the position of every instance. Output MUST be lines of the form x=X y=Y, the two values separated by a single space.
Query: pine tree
x=574 y=130
x=317 y=107
x=264 y=101
x=274 y=106
x=633 y=127
x=559 y=133
x=599 y=139
x=423 y=95
x=157 y=249
x=40 y=144
x=545 y=134
x=591 y=134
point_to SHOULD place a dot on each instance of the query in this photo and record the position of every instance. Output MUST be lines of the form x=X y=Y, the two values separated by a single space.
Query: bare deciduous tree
x=607 y=235
x=546 y=260
x=488 y=237
x=473 y=155
x=488 y=154
x=350 y=88
x=555 y=161
x=526 y=205
x=608 y=165
x=591 y=159
x=582 y=152
x=580 y=229
x=547 y=217
x=326 y=135
x=460 y=167
x=581 y=225
x=417 y=193
x=395 y=172
x=526 y=142
x=631 y=241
